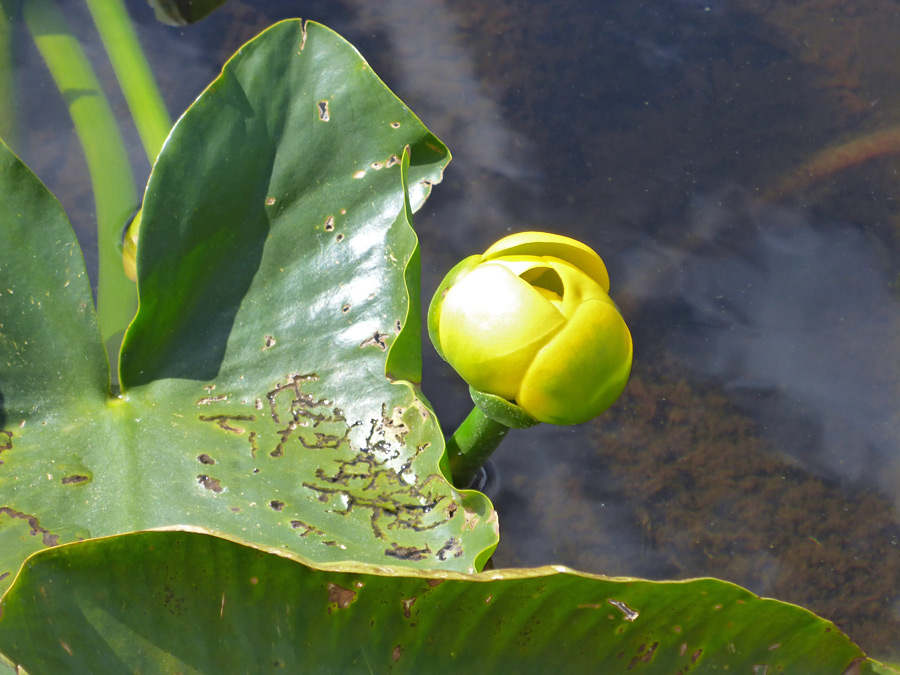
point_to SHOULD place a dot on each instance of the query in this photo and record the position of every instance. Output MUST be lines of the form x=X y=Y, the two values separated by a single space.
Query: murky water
x=759 y=439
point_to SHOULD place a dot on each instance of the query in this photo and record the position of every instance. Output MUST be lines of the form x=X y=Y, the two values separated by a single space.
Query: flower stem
x=472 y=444
x=133 y=73
x=104 y=150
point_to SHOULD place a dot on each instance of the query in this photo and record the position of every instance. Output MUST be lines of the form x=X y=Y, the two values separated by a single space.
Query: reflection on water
x=758 y=439
x=798 y=323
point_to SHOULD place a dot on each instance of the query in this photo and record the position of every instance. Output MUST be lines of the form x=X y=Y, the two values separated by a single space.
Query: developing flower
x=531 y=321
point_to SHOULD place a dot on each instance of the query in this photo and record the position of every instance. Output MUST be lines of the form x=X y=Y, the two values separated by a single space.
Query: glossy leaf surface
x=209 y=605
x=182 y=12
x=276 y=263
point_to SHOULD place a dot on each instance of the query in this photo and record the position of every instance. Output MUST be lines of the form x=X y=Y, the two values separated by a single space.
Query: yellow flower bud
x=531 y=321
x=129 y=246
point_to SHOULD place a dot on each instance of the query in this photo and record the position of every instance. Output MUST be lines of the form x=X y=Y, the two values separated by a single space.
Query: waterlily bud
x=129 y=246
x=531 y=321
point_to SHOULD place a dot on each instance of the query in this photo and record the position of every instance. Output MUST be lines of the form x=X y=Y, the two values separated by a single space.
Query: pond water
x=736 y=164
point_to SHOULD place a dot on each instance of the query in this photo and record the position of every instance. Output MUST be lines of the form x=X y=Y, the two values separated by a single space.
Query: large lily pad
x=206 y=605
x=276 y=267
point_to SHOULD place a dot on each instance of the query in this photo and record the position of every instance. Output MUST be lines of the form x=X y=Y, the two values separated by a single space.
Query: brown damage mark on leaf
x=376 y=339
x=407 y=606
x=471 y=519
x=397 y=653
x=2 y=577
x=5 y=444
x=34 y=524
x=452 y=549
x=339 y=238
x=630 y=614
x=268 y=343
x=75 y=479
x=398 y=326
x=213 y=399
x=775 y=646
x=307 y=529
x=340 y=596
x=434 y=582
x=305 y=411
x=276 y=505
x=270 y=201
x=377 y=474
x=696 y=655
x=329 y=224
x=372 y=480
x=224 y=421
x=360 y=174
x=345 y=308
x=323 y=111
x=210 y=483
x=407 y=552
x=395 y=125
x=643 y=656
x=392 y=160
x=205 y=459
x=66 y=647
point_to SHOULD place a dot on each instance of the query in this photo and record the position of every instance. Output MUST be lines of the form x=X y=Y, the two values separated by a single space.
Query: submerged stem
x=472 y=444
x=8 y=122
x=104 y=150
x=133 y=73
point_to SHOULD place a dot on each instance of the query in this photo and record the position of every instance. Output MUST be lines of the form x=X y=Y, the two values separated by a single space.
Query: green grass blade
x=133 y=73
x=104 y=149
x=7 y=83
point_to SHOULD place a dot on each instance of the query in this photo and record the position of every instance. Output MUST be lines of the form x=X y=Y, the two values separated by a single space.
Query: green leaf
x=207 y=605
x=183 y=12
x=502 y=411
x=276 y=265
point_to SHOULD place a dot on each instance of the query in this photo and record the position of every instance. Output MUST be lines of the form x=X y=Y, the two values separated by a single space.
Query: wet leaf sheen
x=276 y=266
x=210 y=605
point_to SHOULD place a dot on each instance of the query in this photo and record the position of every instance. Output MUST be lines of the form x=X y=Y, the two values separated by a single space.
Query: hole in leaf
x=210 y=483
